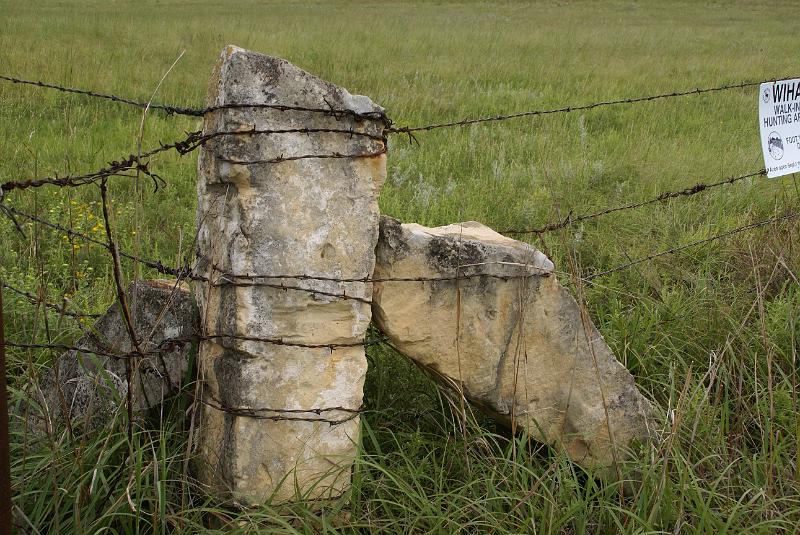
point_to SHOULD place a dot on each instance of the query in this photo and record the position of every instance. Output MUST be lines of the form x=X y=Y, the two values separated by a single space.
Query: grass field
x=710 y=333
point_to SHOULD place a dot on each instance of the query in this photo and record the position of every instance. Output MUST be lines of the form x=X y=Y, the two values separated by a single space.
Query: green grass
x=710 y=333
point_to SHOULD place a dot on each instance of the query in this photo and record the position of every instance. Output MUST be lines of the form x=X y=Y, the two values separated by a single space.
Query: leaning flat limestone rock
x=283 y=368
x=509 y=334
x=89 y=388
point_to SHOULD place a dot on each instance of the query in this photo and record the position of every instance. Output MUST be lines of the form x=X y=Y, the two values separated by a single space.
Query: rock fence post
x=288 y=185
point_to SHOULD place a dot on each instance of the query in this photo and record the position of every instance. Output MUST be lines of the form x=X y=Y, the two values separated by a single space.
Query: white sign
x=779 y=117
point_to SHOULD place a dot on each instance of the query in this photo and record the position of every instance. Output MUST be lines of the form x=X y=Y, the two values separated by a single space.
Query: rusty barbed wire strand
x=407 y=130
x=541 y=273
x=171 y=344
x=157 y=265
x=673 y=250
x=90 y=93
x=235 y=279
x=67 y=347
x=263 y=413
x=410 y=130
x=312 y=291
x=254 y=413
x=687 y=192
x=230 y=279
x=115 y=169
x=248 y=130
x=298 y=411
x=52 y=306
x=192 y=141
x=132 y=162
x=280 y=159
x=198 y=112
x=282 y=342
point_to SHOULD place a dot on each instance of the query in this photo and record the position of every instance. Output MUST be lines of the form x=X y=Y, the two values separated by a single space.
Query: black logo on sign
x=775 y=145
x=765 y=95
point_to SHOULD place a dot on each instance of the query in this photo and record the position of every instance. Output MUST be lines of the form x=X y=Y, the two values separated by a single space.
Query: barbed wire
x=410 y=130
x=134 y=164
x=67 y=347
x=192 y=141
x=268 y=414
x=281 y=158
x=198 y=112
x=673 y=250
x=312 y=291
x=114 y=169
x=540 y=272
x=621 y=267
x=52 y=306
x=168 y=345
x=157 y=265
x=379 y=115
x=248 y=279
x=687 y=192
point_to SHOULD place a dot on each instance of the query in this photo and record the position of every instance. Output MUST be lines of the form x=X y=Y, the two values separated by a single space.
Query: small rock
x=89 y=389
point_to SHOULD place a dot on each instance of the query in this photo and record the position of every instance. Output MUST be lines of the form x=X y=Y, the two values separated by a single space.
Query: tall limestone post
x=279 y=412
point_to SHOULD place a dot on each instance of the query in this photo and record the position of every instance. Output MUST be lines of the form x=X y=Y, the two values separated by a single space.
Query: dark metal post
x=5 y=458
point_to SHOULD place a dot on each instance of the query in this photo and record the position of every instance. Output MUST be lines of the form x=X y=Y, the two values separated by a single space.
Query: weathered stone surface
x=314 y=216
x=519 y=346
x=90 y=388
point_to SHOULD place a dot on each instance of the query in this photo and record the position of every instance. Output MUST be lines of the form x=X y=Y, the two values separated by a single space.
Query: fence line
x=673 y=250
x=193 y=112
x=581 y=107
x=569 y=220
x=153 y=264
x=230 y=279
x=133 y=164
x=171 y=344
x=259 y=413
x=280 y=159
x=257 y=279
x=52 y=306
x=192 y=141
x=688 y=192
x=390 y=129
x=250 y=279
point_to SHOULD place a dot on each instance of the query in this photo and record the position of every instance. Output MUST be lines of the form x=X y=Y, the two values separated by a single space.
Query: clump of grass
x=418 y=471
